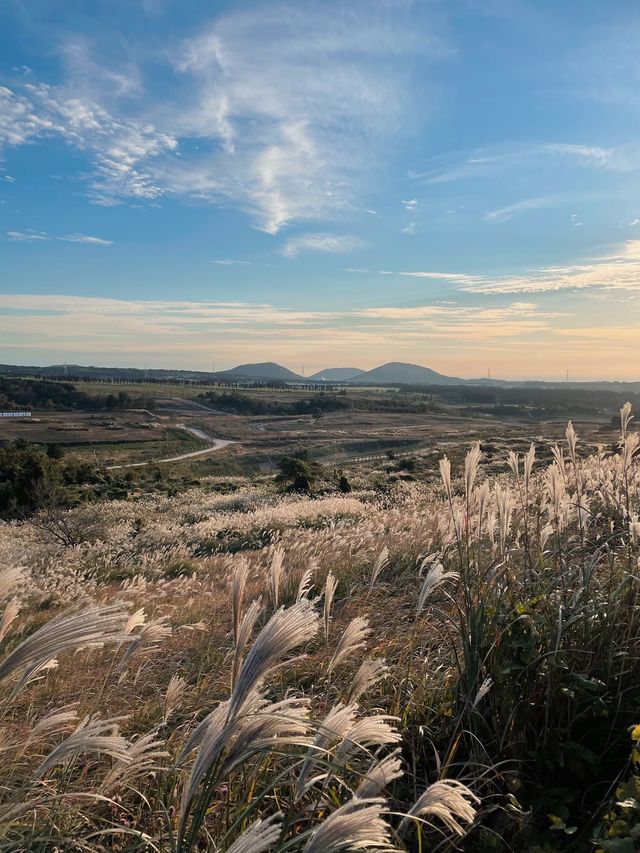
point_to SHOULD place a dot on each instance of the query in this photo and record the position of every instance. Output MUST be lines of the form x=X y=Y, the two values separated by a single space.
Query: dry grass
x=488 y=627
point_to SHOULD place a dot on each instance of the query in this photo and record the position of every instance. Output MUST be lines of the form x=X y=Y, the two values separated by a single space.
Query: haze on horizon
x=448 y=184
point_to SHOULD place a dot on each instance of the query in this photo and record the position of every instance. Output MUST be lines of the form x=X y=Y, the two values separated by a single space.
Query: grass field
x=470 y=632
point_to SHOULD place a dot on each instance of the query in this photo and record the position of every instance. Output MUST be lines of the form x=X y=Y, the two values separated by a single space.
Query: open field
x=81 y=427
x=360 y=438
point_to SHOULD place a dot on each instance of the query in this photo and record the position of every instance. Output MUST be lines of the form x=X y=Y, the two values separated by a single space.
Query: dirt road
x=214 y=444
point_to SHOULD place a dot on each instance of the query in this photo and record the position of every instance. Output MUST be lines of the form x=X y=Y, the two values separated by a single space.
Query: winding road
x=214 y=444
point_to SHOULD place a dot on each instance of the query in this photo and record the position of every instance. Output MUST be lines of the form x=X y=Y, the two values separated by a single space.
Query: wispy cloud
x=30 y=236
x=87 y=239
x=616 y=159
x=122 y=149
x=27 y=236
x=457 y=277
x=230 y=262
x=76 y=322
x=615 y=273
x=334 y=244
x=488 y=162
x=280 y=109
x=618 y=272
x=503 y=214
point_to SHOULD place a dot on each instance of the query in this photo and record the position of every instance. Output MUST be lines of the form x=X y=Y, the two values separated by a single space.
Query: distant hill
x=393 y=373
x=78 y=371
x=397 y=372
x=337 y=374
x=262 y=370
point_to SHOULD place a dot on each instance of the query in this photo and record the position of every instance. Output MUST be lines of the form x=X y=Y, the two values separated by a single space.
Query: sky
x=453 y=183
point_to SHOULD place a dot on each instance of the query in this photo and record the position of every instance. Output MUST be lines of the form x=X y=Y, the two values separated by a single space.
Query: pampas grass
x=82 y=627
x=357 y=825
x=449 y=801
x=224 y=725
x=329 y=591
x=353 y=638
x=91 y=735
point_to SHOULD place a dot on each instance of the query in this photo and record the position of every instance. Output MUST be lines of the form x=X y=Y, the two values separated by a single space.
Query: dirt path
x=215 y=444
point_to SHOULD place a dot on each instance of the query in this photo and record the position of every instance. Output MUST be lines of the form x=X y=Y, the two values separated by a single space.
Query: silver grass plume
x=484 y=688
x=529 y=461
x=10 y=612
x=366 y=732
x=558 y=455
x=545 y=534
x=238 y=585
x=286 y=630
x=572 y=441
x=92 y=735
x=434 y=578
x=245 y=629
x=625 y=419
x=276 y=572
x=450 y=801
x=305 y=584
x=329 y=590
x=380 y=775
x=629 y=450
x=368 y=673
x=176 y=689
x=504 y=505
x=471 y=462
x=135 y=620
x=259 y=837
x=357 y=825
x=257 y=725
x=214 y=722
x=267 y=727
x=445 y=473
x=212 y=736
x=71 y=630
x=283 y=632
x=150 y=635
x=382 y=560
x=482 y=499
x=143 y=757
x=513 y=461
x=354 y=637
x=52 y=723
x=9 y=580
x=337 y=722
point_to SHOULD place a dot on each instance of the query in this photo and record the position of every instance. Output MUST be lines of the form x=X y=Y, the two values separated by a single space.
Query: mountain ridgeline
x=394 y=373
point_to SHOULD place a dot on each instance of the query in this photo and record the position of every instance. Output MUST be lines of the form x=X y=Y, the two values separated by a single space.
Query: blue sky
x=448 y=183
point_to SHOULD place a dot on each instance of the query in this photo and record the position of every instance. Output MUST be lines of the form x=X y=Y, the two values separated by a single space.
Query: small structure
x=15 y=414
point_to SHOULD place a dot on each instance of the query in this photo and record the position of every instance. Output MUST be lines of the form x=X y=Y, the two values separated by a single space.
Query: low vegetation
x=425 y=667
x=17 y=393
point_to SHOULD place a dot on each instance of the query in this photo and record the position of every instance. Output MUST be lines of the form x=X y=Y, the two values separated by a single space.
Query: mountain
x=397 y=372
x=337 y=374
x=261 y=370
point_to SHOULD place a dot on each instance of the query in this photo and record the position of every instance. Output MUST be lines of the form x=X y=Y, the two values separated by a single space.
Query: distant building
x=15 y=414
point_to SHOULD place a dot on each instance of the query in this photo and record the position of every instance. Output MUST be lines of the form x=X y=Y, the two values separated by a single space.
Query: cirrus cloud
x=331 y=244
